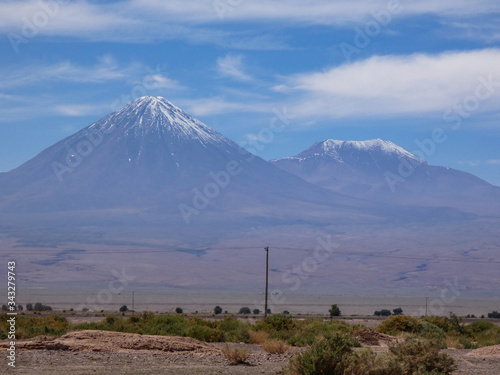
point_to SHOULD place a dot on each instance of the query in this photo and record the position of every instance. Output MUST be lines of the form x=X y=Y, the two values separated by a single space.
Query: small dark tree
x=217 y=310
x=20 y=307
x=334 y=311
x=398 y=311
x=123 y=309
x=29 y=307
x=256 y=311
x=39 y=306
x=5 y=308
x=245 y=310
x=178 y=310
x=286 y=312
x=494 y=315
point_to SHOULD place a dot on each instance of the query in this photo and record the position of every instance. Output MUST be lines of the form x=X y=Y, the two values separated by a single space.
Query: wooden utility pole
x=267 y=280
x=133 y=302
x=426 y=299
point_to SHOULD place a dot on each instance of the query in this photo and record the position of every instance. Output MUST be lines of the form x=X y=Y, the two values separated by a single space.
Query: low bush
x=258 y=337
x=421 y=357
x=235 y=355
x=480 y=326
x=328 y=355
x=276 y=323
x=400 y=323
x=275 y=346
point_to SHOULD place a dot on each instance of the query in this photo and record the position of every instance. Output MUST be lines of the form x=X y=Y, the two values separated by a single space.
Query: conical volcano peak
x=157 y=116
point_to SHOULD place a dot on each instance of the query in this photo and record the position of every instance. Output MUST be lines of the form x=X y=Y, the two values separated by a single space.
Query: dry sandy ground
x=110 y=353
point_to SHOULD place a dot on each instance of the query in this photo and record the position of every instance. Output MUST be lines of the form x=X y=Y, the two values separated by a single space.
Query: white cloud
x=232 y=66
x=106 y=69
x=395 y=85
x=493 y=162
x=202 y=21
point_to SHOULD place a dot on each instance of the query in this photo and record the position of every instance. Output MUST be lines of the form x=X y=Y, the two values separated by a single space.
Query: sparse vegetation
x=333 y=355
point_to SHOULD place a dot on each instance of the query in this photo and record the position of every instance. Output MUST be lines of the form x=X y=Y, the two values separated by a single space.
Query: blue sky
x=399 y=70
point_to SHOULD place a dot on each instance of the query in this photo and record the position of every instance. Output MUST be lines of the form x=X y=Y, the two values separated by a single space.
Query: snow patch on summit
x=149 y=114
x=334 y=149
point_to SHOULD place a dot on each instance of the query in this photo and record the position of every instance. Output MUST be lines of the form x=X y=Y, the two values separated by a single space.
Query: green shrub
x=400 y=323
x=439 y=321
x=134 y=319
x=277 y=323
x=421 y=357
x=204 y=333
x=245 y=310
x=432 y=332
x=480 y=326
x=327 y=356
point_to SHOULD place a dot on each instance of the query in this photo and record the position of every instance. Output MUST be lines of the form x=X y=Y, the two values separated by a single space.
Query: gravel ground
x=82 y=363
x=107 y=353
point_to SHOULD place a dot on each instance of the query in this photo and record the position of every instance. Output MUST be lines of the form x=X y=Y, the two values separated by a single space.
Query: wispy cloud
x=106 y=69
x=395 y=85
x=199 y=20
x=232 y=66
x=493 y=162
x=220 y=105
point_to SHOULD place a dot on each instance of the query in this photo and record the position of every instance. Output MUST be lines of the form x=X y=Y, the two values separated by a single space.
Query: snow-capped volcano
x=382 y=171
